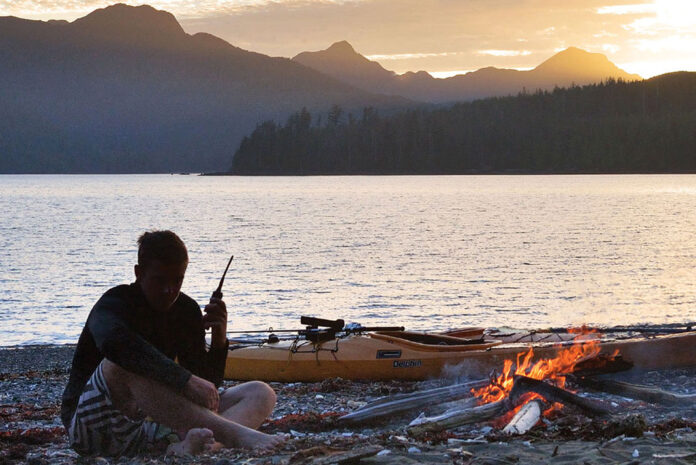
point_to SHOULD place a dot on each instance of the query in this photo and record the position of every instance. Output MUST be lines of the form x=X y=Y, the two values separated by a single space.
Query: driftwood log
x=454 y=418
x=524 y=384
x=525 y=418
x=347 y=457
x=466 y=402
x=446 y=390
x=636 y=391
x=408 y=402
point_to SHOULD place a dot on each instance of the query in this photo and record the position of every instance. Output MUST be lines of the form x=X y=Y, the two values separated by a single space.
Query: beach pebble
x=319 y=397
x=355 y=404
x=35 y=460
x=635 y=453
x=414 y=450
x=384 y=452
x=297 y=434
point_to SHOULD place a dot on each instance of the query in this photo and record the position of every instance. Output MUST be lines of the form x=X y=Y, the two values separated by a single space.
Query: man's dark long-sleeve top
x=124 y=329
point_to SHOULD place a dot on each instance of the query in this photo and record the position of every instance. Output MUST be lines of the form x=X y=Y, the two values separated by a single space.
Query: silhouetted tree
x=610 y=127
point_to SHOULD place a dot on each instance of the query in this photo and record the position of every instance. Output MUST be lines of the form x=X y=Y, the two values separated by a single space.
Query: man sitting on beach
x=124 y=384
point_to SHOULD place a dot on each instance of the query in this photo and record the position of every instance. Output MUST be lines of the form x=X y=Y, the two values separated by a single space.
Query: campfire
x=517 y=377
x=525 y=391
x=552 y=370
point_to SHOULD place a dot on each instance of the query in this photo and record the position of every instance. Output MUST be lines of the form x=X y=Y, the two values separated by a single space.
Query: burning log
x=403 y=403
x=524 y=384
x=601 y=364
x=454 y=418
x=636 y=391
x=525 y=419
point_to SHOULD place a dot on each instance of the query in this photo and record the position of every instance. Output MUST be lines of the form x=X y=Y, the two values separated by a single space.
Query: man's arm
x=208 y=364
x=123 y=346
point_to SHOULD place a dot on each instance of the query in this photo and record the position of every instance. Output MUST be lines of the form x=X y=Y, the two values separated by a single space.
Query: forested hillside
x=612 y=127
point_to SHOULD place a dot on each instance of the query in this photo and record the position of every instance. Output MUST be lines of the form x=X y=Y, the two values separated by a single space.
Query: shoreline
x=32 y=379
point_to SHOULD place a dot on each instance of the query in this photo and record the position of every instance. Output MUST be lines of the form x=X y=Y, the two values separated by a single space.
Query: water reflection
x=426 y=252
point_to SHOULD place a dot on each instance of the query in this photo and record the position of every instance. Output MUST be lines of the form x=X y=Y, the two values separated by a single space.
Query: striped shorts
x=97 y=428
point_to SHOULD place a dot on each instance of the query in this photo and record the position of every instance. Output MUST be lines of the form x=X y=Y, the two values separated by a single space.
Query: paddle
x=330 y=327
x=672 y=328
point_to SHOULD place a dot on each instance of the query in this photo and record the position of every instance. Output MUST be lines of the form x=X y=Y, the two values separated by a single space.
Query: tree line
x=610 y=127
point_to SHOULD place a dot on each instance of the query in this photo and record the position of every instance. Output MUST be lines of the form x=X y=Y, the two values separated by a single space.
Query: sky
x=443 y=37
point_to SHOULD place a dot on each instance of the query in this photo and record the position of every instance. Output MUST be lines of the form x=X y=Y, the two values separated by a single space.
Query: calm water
x=425 y=252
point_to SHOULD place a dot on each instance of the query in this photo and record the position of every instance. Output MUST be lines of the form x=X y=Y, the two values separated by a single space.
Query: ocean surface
x=427 y=252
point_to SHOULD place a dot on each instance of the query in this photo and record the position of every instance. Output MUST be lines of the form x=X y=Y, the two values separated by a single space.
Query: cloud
x=611 y=48
x=436 y=35
x=71 y=9
x=505 y=53
x=408 y=56
x=640 y=8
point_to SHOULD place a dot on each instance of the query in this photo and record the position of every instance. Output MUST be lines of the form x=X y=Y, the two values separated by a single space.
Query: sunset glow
x=644 y=37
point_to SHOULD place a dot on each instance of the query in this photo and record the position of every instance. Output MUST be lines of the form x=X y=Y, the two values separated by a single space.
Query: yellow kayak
x=404 y=355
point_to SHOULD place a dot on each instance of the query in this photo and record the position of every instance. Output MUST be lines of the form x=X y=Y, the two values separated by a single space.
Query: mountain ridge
x=568 y=67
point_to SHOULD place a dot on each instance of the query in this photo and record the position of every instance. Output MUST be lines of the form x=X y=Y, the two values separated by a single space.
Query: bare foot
x=214 y=447
x=196 y=441
x=258 y=441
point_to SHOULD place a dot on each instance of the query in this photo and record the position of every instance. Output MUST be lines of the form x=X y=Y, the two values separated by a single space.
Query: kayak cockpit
x=433 y=342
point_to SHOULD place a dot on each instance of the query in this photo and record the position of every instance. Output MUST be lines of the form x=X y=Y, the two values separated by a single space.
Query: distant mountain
x=343 y=62
x=125 y=89
x=571 y=66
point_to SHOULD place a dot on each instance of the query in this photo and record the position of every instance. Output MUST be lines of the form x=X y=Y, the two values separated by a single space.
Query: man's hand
x=202 y=392
x=216 y=318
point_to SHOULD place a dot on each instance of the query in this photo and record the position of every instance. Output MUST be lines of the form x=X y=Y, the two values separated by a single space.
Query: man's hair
x=164 y=246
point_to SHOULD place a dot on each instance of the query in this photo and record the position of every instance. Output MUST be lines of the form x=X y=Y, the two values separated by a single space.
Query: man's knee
x=265 y=394
x=256 y=393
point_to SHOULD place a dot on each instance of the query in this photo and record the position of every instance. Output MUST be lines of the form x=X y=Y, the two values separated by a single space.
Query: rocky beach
x=32 y=379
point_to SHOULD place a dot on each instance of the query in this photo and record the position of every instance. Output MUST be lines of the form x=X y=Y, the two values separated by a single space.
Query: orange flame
x=554 y=369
